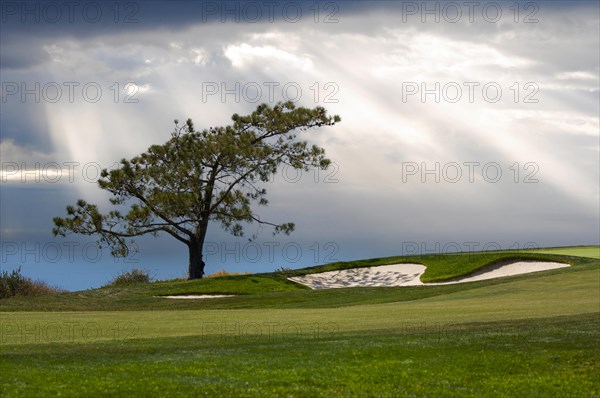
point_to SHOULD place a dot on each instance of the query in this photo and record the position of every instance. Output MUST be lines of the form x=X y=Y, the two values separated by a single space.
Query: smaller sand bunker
x=197 y=296
x=410 y=274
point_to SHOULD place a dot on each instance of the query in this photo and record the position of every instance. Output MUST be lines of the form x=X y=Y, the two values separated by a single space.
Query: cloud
x=10 y=152
x=577 y=75
x=423 y=56
x=244 y=54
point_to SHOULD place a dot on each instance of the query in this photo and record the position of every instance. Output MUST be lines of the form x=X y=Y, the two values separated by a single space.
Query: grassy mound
x=234 y=284
x=440 y=267
x=274 y=290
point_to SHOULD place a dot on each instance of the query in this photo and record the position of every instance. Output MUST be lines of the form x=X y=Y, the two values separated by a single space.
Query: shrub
x=127 y=278
x=225 y=273
x=17 y=284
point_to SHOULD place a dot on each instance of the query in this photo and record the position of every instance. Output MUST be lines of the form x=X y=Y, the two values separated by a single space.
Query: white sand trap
x=410 y=274
x=383 y=275
x=197 y=296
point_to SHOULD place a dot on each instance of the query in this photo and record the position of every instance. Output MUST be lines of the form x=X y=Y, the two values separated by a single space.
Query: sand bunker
x=197 y=296
x=410 y=274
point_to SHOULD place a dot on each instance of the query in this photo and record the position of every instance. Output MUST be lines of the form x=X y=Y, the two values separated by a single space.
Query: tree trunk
x=196 y=265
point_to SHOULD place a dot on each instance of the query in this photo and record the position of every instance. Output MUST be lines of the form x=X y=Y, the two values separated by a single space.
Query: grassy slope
x=577 y=251
x=529 y=335
x=275 y=291
x=542 y=296
x=440 y=266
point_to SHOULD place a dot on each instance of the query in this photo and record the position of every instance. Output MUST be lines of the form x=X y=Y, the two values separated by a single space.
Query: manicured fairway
x=544 y=296
x=553 y=357
x=528 y=335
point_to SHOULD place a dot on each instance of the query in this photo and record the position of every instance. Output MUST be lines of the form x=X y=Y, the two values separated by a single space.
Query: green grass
x=273 y=290
x=554 y=357
x=528 y=335
x=545 y=296
x=576 y=251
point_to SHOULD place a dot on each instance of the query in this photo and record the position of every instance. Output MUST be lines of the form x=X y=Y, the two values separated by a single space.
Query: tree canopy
x=197 y=177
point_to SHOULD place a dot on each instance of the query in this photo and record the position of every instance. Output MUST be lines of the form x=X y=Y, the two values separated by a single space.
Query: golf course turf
x=528 y=335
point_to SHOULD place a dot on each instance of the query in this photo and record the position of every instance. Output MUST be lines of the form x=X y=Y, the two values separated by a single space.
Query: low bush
x=225 y=273
x=17 y=284
x=136 y=275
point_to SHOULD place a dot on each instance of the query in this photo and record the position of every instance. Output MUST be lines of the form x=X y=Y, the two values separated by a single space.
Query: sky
x=465 y=126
